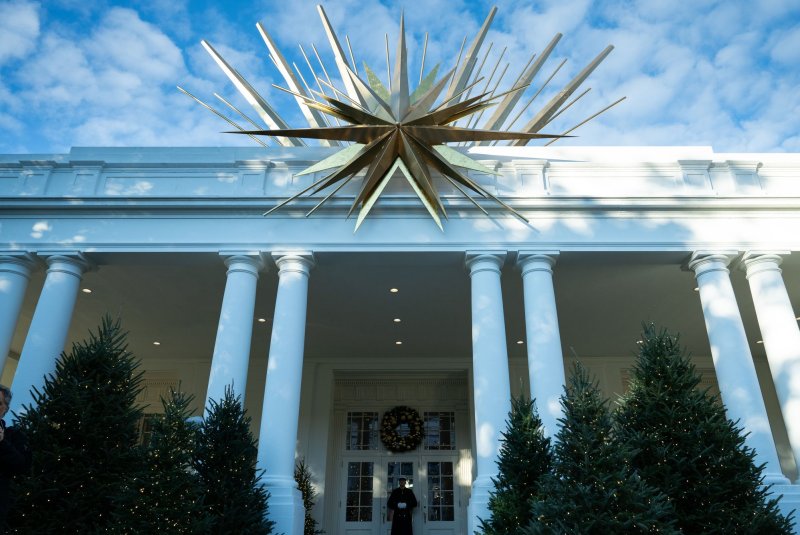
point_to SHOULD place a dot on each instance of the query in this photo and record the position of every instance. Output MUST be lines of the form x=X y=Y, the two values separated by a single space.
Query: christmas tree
x=225 y=460
x=592 y=489
x=82 y=430
x=171 y=500
x=685 y=446
x=302 y=476
x=524 y=458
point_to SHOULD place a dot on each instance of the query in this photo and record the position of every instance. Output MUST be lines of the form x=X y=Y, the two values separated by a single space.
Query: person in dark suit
x=401 y=506
x=15 y=457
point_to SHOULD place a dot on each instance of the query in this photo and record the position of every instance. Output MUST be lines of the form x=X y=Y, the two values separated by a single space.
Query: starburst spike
x=589 y=119
x=331 y=194
x=450 y=134
x=376 y=85
x=551 y=107
x=458 y=61
x=446 y=169
x=425 y=85
x=352 y=57
x=321 y=65
x=471 y=58
x=264 y=110
x=373 y=197
x=325 y=108
x=385 y=158
x=442 y=115
x=313 y=116
x=400 y=79
x=422 y=64
x=295 y=196
x=415 y=162
x=568 y=106
x=388 y=65
x=334 y=160
x=480 y=67
x=358 y=115
x=499 y=116
x=359 y=161
x=424 y=103
x=375 y=103
x=221 y=116
x=344 y=96
x=357 y=133
x=237 y=110
x=465 y=194
x=460 y=159
x=338 y=55
x=538 y=92
x=485 y=93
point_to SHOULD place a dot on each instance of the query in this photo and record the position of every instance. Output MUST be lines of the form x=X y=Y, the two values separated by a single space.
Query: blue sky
x=82 y=73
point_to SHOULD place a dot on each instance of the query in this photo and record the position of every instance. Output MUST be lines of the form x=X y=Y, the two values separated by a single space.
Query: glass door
x=439 y=500
x=395 y=470
x=360 y=495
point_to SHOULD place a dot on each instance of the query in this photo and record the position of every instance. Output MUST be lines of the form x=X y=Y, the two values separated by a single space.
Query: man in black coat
x=15 y=456
x=401 y=506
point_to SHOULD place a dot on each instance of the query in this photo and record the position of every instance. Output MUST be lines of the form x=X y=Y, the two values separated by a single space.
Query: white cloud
x=19 y=29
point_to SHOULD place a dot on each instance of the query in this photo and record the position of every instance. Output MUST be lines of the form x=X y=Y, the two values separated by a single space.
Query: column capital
x=757 y=261
x=249 y=261
x=19 y=262
x=705 y=261
x=491 y=260
x=71 y=262
x=297 y=261
x=528 y=261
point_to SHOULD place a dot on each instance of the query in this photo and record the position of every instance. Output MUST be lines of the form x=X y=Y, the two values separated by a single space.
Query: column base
x=790 y=501
x=285 y=506
x=478 y=507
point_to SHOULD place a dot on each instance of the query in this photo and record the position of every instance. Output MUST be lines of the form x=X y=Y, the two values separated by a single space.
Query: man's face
x=3 y=405
x=402 y=482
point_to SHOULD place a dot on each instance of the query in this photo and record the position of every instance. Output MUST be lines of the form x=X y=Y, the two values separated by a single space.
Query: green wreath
x=391 y=436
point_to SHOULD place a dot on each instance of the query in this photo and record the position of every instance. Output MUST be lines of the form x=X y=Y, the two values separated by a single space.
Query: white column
x=47 y=334
x=15 y=271
x=778 y=324
x=235 y=329
x=545 y=359
x=733 y=363
x=491 y=389
x=278 y=436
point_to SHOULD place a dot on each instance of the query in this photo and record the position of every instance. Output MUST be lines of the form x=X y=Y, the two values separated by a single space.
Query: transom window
x=440 y=429
x=362 y=431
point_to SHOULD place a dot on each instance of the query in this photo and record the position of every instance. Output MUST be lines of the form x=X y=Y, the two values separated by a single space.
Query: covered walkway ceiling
x=602 y=299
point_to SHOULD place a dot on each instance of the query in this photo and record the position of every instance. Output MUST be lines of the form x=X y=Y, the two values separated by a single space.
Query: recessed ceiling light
x=760 y=341
x=86 y=291
x=397 y=320
x=156 y=343
x=697 y=289
x=797 y=318
x=398 y=343
x=261 y=320
x=394 y=290
x=639 y=342
x=520 y=342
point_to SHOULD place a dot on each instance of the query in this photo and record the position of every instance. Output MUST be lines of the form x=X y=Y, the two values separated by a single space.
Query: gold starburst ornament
x=381 y=131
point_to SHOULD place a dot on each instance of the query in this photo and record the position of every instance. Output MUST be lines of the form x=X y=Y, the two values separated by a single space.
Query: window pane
x=439 y=428
x=358 y=507
x=362 y=431
x=440 y=492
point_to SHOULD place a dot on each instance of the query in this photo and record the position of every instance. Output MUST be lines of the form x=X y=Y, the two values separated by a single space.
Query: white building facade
x=323 y=330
